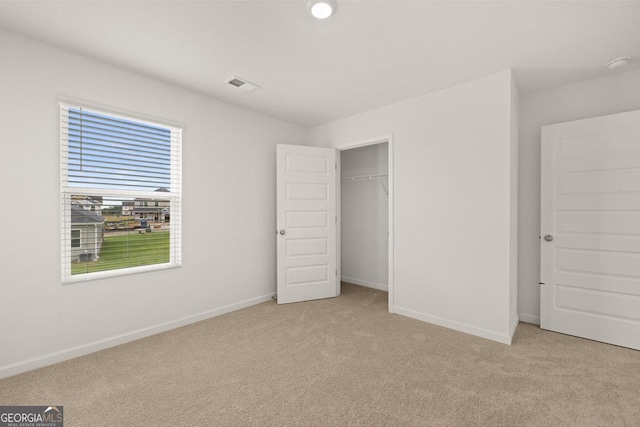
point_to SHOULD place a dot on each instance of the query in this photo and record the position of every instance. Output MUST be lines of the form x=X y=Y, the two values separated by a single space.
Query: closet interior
x=364 y=205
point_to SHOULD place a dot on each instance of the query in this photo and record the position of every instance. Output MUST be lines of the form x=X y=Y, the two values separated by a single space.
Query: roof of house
x=150 y=209
x=82 y=216
x=91 y=199
x=157 y=190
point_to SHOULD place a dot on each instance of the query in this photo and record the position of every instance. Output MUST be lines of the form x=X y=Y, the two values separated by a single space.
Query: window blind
x=121 y=191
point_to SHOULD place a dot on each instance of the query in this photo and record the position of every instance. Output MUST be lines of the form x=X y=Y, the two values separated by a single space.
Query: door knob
x=548 y=237
x=282 y=232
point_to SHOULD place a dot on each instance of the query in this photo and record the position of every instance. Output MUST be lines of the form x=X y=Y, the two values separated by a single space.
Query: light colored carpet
x=339 y=362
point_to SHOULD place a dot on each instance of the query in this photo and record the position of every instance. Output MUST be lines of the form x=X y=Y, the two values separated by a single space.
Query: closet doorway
x=365 y=201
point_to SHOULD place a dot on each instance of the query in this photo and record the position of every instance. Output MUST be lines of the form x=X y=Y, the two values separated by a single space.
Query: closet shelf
x=363 y=177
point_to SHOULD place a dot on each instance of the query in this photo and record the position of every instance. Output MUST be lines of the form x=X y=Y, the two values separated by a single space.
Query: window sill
x=88 y=277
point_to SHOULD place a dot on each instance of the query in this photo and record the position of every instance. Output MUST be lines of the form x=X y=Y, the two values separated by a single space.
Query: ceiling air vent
x=243 y=84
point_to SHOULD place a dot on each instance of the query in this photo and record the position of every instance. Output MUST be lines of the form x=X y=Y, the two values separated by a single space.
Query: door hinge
x=336 y=165
x=336 y=272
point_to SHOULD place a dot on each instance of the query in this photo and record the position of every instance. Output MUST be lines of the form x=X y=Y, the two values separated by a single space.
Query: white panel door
x=590 y=228
x=306 y=223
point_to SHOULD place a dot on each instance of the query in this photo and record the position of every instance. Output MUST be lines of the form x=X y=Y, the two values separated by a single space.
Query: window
x=75 y=238
x=108 y=162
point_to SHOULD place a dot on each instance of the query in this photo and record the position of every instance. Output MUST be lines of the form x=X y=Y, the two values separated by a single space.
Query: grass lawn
x=128 y=250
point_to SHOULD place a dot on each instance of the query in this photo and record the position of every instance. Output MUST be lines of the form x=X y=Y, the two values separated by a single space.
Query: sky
x=115 y=153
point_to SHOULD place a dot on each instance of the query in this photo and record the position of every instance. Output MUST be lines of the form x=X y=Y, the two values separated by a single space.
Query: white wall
x=228 y=213
x=365 y=216
x=452 y=203
x=514 y=213
x=617 y=93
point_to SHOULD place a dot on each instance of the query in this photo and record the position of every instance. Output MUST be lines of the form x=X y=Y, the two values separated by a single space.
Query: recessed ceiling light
x=322 y=9
x=618 y=62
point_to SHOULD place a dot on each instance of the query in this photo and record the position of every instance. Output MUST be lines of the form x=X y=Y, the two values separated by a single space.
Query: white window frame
x=174 y=196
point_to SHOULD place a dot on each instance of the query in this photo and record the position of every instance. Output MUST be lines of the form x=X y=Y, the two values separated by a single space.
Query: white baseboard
x=529 y=318
x=457 y=326
x=378 y=286
x=513 y=328
x=71 y=353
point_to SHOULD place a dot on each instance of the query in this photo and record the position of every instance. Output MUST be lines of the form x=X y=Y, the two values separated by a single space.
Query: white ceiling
x=370 y=54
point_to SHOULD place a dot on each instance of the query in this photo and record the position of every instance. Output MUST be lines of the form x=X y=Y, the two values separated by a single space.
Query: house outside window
x=118 y=174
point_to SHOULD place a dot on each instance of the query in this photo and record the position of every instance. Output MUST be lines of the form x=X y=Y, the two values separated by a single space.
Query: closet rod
x=362 y=177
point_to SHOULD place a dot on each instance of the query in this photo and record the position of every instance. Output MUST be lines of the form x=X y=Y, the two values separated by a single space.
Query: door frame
x=356 y=144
